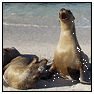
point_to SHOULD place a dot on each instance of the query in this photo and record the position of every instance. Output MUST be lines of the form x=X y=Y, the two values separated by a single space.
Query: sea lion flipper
x=33 y=62
x=43 y=61
x=85 y=76
x=84 y=82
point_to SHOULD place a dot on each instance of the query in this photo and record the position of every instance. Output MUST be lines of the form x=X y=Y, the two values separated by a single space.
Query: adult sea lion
x=21 y=74
x=9 y=54
x=69 y=60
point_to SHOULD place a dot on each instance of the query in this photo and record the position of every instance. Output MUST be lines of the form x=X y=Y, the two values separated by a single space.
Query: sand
x=41 y=41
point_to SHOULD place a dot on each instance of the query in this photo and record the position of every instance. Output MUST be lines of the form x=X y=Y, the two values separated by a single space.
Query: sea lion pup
x=69 y=60
x=9 y=54
x=21 y=74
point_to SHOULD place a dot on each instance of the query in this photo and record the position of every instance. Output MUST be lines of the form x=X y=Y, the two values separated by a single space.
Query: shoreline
x=35 y=25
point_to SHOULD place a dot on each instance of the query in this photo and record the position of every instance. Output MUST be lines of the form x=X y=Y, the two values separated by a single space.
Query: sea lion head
x=66 y=16
x=39 y=68
x=9 y=54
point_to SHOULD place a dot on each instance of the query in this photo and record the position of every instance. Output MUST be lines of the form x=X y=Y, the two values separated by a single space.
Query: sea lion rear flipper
x=85 y=75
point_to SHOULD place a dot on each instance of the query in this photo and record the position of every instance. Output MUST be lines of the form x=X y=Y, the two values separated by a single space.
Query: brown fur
x=9 y=54
x=67 y=60
x=21 y=74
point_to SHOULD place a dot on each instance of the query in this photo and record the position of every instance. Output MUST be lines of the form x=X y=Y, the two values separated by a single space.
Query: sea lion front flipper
x=33 y=62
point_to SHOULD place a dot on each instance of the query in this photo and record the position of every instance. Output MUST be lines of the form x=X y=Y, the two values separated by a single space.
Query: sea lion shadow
x=56 y=81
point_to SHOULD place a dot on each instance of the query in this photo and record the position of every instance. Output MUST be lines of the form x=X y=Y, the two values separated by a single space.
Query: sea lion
x=9 y=54
x=21 y=74
x=69 y=60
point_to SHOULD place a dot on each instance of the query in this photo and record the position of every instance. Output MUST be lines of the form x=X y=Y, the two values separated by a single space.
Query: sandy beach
x=41 y=41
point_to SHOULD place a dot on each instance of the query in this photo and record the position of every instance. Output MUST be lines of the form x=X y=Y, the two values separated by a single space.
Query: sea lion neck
x=69 y=32
x=67 y=25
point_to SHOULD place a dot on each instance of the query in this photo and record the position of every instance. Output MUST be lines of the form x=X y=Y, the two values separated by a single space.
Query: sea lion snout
x=65 y=14
x=42 y=65
x=40 y=68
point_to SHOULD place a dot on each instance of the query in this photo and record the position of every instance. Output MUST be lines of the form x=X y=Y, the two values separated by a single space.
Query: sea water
x=44 y=14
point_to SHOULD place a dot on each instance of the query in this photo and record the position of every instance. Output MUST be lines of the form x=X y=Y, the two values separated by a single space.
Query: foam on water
x=29 y=25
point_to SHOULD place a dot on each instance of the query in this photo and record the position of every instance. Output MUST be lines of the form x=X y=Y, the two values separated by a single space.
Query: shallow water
x=44 y=14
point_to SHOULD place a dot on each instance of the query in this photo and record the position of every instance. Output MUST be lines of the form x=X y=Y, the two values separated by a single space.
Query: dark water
x=44 y=14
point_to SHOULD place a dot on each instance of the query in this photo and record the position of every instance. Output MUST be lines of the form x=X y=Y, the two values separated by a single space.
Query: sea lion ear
x=35 y=60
